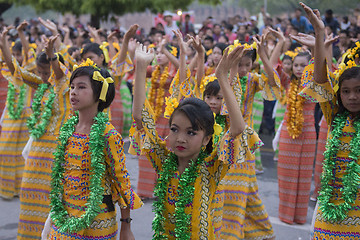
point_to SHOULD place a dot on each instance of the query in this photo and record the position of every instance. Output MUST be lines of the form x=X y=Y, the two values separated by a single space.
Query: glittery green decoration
x=15 y=114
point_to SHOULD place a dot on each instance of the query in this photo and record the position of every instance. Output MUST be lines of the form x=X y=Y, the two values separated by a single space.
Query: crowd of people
x=191 y=102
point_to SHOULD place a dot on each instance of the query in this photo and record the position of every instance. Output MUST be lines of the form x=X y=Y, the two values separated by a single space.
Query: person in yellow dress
x=337 y=216
x=89 y=174
x=190 y=170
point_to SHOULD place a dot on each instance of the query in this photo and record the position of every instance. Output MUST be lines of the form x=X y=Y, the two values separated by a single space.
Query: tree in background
x=101 y=9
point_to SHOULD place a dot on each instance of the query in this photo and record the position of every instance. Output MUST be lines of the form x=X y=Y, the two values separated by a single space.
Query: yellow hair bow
x=174 y=51
x=209 y=52
x=98 y=77
x=171 y=104
x=105 y=51
x=245 y=45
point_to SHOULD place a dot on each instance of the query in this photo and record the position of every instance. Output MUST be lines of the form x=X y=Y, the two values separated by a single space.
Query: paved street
x=142 y=218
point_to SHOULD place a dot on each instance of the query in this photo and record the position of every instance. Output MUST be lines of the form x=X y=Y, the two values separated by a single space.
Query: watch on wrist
x=127 y=220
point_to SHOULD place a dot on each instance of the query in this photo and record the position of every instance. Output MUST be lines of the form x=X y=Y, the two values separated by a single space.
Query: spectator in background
x=216 y=32
x=268 y=23
x=170 y=25
x=253 y=29
x=229 y=34
x=187 y=26
x=262 y=16
x=208 y=43
x=345 y=23
x=330 y=21
x=300 y=22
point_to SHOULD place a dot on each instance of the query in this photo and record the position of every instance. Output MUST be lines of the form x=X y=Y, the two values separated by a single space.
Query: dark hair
x=41 y=59
x=251 y=54
x=349 y=73
x=212 y=88
x=221 y=46
x=72 y=49
x=94 y=48
x=17 y=46
x=303 y=54
x=209 y=38
x=229 y=27
x=287 y=57
x=96 y=85
x=200 y=116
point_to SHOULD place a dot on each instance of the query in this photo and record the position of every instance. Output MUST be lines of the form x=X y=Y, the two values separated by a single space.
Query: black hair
x=94 y=48
x=349 y=73
x=96 y=85
x=229 y=27
x=72 y=49
x=209 y=38
x=221 y=46
x=212 y=88
x=226 y=38
x=200 y=116
x=42 y=59
x=17 y=46
x=303 y=54
x=287 y=57
x=251 y=54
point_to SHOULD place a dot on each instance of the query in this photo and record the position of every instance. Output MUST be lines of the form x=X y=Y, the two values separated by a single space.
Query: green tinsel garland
x=185 y=193
x=243 y=82
x=59 y=215
x=15 y=114
x=221 y=120
x=351 y=178
x=37 y=132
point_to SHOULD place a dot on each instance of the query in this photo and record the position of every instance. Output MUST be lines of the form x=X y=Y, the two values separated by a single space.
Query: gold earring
x=203 y=148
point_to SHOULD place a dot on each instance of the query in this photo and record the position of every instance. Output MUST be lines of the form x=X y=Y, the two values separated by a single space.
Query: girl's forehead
x=300 y=59
x=351 y=83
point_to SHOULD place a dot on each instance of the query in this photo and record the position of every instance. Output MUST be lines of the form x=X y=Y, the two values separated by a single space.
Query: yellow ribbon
x=105 y=51
x=98 y=77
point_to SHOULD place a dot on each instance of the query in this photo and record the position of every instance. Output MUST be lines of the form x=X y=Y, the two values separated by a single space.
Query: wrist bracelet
x=127 y=220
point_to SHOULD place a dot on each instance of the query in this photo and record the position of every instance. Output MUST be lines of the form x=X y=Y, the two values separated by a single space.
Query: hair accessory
x=174 y=51
x=342 y=67
x=291 y=54
x=87 y=63
x=151 y=46
x=171 y=104
x=105 y=51
x=98 y=77
x=246 y=46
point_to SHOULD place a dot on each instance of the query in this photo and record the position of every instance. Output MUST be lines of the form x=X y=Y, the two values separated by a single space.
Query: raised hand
x=131 y=32
x=49 y=46
x=111 y=37
x=330 y=39
x=196 y=43
x=143 y=55
x=304 y=39
x=314 y=17
x=180 y=38
x=22 y=26
x=49 y=25
x=227 y=60
x=277 y=33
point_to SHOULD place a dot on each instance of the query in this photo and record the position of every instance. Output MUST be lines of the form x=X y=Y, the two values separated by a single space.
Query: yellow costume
x=116 y=184
x=213 y=169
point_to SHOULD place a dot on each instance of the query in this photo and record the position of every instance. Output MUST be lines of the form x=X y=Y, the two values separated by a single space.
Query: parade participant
x=14 y=134
x=189 y=174
x=339 y=98
x=83 y=193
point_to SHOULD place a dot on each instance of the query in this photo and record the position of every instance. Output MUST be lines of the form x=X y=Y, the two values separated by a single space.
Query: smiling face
x=82 y=94
x=300 y=62
x=184 y=141
x=350 y=95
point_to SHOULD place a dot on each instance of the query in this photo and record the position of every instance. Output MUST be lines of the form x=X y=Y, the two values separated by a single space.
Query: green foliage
x=288 y=6
x=102 y=8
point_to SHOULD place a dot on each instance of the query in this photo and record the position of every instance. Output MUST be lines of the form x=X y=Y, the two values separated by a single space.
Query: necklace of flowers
x=15 y=114
x=351 y=178
x=59 y=215
x=295 y=105
x=158 y=91
x=243 y=82
x=37 y=132
x=185 y=196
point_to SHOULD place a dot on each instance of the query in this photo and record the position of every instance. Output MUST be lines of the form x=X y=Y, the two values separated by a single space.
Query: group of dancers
x=192 y=126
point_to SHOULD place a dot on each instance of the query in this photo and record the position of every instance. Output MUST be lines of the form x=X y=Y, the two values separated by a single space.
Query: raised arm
x=66 y=30
x=268 y=67
x=172 y=58
x=237 y=124
x=320 y=74
x=53 y=29
x=24 y=41
x=94 y=33
x=200 y=58
x=52 y=57
x=111 y=39
x=182 y=60
x=5 y=48
x=124 y=47
x=274 y=58
x=143 y=58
